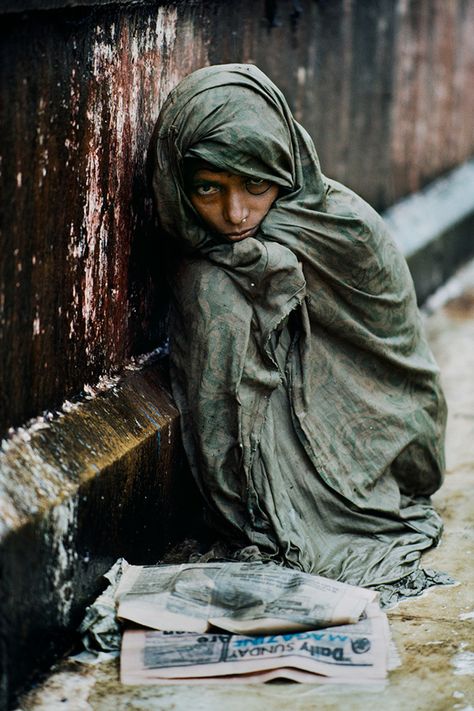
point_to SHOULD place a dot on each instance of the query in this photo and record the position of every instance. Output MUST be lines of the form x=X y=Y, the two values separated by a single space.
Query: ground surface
x=434 y=634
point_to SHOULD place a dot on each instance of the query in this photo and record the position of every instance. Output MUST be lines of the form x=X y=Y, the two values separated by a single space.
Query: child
x=311 y=410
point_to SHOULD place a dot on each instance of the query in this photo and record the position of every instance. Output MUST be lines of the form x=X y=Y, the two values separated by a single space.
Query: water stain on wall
x=383 y=88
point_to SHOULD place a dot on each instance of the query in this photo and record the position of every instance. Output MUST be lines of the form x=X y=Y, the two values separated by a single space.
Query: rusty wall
x=384 y=87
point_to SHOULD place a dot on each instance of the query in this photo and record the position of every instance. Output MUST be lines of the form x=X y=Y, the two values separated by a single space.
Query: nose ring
x=243 y=220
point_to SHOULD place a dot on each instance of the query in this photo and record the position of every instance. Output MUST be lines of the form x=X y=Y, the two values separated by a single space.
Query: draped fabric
x=311 y=410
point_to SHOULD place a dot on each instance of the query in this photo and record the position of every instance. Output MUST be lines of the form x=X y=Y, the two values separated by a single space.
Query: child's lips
x=236 y=236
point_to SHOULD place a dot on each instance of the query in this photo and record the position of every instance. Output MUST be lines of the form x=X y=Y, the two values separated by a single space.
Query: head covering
x=235 y=118
x=324 y=277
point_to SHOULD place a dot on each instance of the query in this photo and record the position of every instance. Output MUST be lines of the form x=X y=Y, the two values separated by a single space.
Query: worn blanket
x=311 y=410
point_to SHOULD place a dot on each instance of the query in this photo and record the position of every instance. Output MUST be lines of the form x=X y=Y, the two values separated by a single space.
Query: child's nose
x=235 y=208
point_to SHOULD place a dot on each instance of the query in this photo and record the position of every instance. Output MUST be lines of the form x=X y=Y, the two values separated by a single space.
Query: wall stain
x=384 y=89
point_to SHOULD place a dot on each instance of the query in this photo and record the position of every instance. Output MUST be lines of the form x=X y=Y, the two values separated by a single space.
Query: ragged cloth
x=311 y=409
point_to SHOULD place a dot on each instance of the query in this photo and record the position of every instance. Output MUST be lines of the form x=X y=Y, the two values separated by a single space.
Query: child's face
x=231 y=205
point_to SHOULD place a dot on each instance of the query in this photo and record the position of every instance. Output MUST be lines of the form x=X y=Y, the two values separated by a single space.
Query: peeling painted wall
x=385 y=88
x=81 y=277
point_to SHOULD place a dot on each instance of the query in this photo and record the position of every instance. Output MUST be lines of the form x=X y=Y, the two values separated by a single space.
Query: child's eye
x=257 y=186
x=205 y=189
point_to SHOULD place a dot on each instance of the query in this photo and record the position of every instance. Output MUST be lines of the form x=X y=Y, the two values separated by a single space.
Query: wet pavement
x=434 y=634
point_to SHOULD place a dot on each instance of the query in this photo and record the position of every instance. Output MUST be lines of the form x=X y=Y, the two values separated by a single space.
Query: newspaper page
x=245 y=598
x=354 y=653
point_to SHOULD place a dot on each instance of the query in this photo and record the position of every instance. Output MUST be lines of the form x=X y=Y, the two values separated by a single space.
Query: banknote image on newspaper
x=355 y=653
x=246 y=598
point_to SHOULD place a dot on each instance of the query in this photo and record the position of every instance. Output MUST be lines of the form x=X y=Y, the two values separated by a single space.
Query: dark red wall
x=385 y=88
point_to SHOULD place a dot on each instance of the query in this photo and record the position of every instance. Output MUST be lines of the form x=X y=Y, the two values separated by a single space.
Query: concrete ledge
x=100 y=481
x=435 y=228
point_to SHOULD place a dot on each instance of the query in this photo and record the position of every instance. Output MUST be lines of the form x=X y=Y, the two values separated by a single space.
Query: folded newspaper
x=282 y=624
x=357 y=653
x=244 y=598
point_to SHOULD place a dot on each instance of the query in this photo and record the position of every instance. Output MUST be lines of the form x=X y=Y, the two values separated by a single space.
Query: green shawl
x=311 y=410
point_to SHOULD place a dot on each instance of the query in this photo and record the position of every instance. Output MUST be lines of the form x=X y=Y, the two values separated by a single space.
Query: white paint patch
x=467 y=615
x=422 y=216
x=122 y=70
x=452 y=289
x=75 y=306
x=64 y=526
x=463 y=663
x=26 y=479
x=301 y=76
x=69 y=406
x=43 y=162
x=36 y=326
x=95 y=229
x=103 y=385
x=18 y=179
x=137 y=362
x=63 y=690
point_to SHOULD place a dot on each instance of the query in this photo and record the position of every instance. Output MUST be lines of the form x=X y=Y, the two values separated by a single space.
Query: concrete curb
x=101 y=481
x=435 y=228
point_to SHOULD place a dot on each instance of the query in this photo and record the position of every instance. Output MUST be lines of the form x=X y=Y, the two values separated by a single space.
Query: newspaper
x=357 y=653
x=244 y=597
x=100 y=630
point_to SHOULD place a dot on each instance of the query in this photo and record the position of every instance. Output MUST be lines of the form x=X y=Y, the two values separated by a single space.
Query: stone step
x=434 y=228
x=103 y=478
